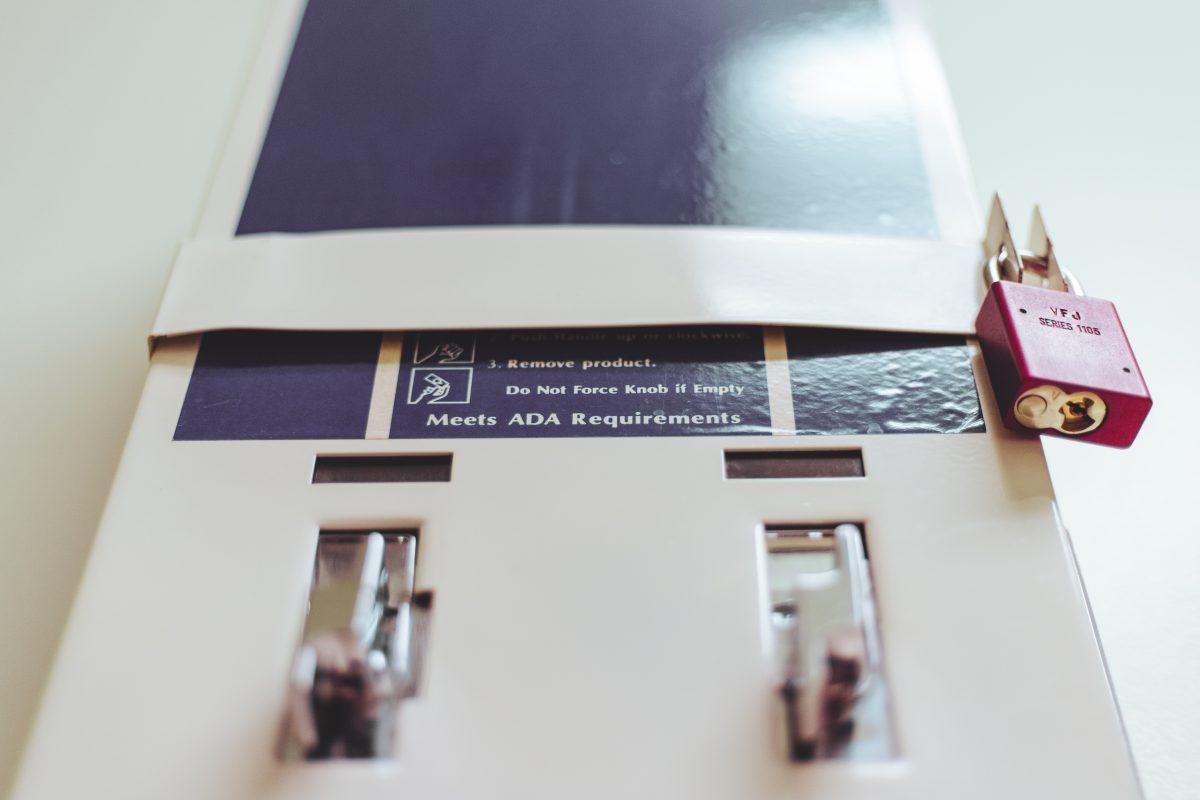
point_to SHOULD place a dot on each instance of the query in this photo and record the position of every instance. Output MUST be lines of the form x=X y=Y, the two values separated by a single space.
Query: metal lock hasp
x=1059 y=361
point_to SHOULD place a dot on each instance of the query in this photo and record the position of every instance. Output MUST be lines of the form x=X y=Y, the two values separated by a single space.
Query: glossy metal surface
x=860 y=382
x=361 y=652
x=770 y=113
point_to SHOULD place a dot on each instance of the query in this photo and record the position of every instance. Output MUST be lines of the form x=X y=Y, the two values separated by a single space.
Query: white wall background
x=111 y=118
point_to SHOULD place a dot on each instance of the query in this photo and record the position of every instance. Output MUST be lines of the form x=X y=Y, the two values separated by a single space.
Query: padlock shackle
x=1039 y=258
x=1032 y=262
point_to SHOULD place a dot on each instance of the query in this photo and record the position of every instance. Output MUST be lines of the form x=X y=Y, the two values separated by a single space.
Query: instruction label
x=587 y=382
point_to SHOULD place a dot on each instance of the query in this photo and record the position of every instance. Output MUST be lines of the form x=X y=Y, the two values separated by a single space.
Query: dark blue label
x=601 y=382
x=684 y=381
x=280 y=385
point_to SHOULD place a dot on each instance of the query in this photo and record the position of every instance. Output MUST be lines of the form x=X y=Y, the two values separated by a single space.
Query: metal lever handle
x=828 y=643
x=362 y=651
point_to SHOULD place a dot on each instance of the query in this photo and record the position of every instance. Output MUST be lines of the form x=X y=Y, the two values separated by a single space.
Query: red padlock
x=1059 y=362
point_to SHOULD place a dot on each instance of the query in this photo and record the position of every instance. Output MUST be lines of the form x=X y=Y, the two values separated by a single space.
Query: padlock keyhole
x=1076 y=415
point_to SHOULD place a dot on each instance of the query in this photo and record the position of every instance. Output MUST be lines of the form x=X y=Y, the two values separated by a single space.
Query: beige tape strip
x=779 y=382
x=383 y=394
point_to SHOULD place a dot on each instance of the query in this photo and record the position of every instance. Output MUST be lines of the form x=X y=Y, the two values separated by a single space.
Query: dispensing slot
x=364 y=468
x=362 y=649
x=826 y=644
x=767 y=464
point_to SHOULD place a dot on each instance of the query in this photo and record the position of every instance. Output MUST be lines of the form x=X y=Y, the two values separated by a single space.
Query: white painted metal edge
x=234 y=171
x=570 y=276
x=955 y=202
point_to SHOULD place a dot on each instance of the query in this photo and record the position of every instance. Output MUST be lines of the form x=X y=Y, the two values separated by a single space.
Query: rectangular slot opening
x=423 y=468
x=758 y=464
